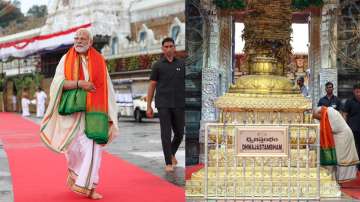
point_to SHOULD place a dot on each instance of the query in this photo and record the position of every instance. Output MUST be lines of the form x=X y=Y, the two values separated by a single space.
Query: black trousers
x=171 y=118
x=357 y=143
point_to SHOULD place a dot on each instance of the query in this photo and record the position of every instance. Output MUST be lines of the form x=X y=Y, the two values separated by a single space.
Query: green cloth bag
x=72 y=101
x=97 y=127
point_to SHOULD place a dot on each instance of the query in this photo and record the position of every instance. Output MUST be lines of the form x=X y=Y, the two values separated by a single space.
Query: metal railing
x=296 y=175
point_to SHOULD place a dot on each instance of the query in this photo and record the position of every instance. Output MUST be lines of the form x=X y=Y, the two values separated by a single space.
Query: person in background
x=14 y=102
x=41 y=97
x=330 y=100
x=25 y=102
x=303 y=88
x=333 y=125
x=168 y=78
x=351 y=113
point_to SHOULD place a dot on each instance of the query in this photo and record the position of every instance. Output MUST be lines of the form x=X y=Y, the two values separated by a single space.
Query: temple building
x=331 y=55
x=130 y=56
x=229 y=92
x=127 y=32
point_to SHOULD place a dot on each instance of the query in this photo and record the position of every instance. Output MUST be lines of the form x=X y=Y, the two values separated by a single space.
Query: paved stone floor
x=6 y=192
x=138 y=143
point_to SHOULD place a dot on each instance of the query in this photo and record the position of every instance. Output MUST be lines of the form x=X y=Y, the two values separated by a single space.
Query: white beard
x=82 y=49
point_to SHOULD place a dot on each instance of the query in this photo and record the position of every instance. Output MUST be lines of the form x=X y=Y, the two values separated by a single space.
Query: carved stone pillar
x=314 y=57
x=347 y=38
x=328 y=71
x=226 y=53
x=210 y=73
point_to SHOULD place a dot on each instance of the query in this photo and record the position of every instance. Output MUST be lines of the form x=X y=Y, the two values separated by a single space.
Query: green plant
x=301 y=4
x=19 y=85
x=29 y=82
x=111 y=65
x=230 y=4
x=133 y=63
x=38 y=78
x=2 y=83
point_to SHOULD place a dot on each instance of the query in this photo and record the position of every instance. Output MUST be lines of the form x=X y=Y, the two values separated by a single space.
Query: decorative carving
x=146 y=37
x=177 y=31
x=143 y=10
x=263 y=84
x=268 y=30
x=105 y=19
x=250 y=102
x=345 y=20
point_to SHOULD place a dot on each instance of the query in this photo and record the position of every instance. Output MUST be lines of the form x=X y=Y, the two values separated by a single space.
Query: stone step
x=5 y=183
x=5 y=173
x=6 y=196
x=6 y=189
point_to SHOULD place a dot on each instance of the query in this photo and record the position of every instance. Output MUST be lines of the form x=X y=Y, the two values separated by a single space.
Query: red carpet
x=39 y=174
x=352 y=188
x=191 y=169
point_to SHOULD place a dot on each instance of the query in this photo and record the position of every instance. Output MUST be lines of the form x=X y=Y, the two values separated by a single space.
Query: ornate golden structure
x=265 y=96
x=267 y=37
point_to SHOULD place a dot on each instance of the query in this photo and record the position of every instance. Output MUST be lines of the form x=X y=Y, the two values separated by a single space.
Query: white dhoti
x=25 y=106
x=65 y=134
x=346 y=153
x=40 y=110
x=40 y=103
x=83 y=157
x=346 y=173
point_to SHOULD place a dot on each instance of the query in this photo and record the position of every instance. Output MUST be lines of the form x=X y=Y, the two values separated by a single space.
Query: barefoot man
x=168 y=78
x=81 y=68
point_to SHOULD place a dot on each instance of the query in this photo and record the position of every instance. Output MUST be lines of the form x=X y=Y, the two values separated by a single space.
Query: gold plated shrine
x=264 y=97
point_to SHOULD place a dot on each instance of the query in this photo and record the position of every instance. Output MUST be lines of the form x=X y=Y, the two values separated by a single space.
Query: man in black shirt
x=352 y=115
x=168 y=78
x=329 y=100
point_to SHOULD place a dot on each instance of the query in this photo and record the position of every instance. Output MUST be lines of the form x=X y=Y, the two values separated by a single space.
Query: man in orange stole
x=337 y=143
x=81 y=68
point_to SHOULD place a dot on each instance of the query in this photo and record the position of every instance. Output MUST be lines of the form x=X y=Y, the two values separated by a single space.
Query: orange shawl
x=96 y=116
x=95 y=101
x=327 y=143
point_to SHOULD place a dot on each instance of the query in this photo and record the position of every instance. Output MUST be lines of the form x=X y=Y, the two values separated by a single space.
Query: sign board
x=262 y=141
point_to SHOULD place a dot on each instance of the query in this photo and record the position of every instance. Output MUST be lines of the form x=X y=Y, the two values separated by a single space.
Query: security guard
x=168 y=78
x=330 y=100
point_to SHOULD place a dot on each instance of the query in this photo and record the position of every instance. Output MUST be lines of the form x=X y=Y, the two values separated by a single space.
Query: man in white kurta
x=14 y=101
x=25 y=102
x=40 y=102
x=66 y=134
